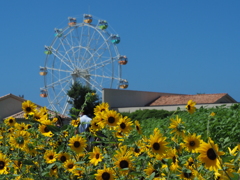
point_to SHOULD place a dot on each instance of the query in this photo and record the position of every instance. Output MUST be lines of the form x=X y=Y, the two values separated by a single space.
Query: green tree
x=78 y=93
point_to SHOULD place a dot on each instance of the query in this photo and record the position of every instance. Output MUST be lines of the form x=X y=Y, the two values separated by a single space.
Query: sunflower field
x=195 y=144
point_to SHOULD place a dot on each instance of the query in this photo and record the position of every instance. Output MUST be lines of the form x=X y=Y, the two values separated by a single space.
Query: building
x=11 y=105
x=130 y=101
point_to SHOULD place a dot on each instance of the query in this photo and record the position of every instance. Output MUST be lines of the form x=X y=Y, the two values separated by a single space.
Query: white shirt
x=84 y=123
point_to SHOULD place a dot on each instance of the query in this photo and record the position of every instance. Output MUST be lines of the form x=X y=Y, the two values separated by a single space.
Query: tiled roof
x=198 y=98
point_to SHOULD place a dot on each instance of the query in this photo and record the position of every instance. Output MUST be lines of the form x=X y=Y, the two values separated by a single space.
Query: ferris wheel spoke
x=90 y=83
x=79 y=45
x=55 y=53
x=61 y=95
x=64 y=48
x=55 y=69
x=59 y=81
x=99 y=65
x=70 y=53
x=104 y=76
x=96 y=51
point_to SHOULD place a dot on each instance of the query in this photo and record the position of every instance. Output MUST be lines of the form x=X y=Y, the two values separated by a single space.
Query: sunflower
x=138 y=148
x=10 y=130
x=30 y=148
x=124 y=164
x=177 y=126
x=101 y=107
x=28 y=107
x=233 y=152
x=138 y=127
x=150 y=169
x=122 y=151
x=43 y=110
x=70 y=165
x=78 y=173
x=157 y=143
x=172 y=154
x=54 y=171
x=17 y=165
x=187 y=174
x=111 y=118
x=75 y=123
x=28 y=126
x=95 y=156
x=19 y=139
x=124 y=125
x=63 y=156
x=105 y=174
x=10 y=121
x=191 y=163
x=191 y=106
x=77 y=143
x=50 y=156
x=212 y=114
x=192 y=142
x=96 y=124
x=38 y=115
x=20 y=127
x=4 y=163
x=44 y=130
x=209 y=155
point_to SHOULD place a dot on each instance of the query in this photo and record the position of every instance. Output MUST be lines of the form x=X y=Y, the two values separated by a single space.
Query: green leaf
x=27 y=162
x=54 y=129
x=152 y=176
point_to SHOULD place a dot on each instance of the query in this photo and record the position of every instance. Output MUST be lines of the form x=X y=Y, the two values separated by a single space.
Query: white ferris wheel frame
x=71 y=60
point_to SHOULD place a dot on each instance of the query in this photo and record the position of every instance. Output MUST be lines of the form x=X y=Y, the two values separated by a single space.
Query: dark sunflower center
x=156 y=173
x=190 y=163
x=137 y=150
x=188 y=107
x=156 y=146
x=2 y=164
x=102 y=110
x=187 y=175
x=211 y=154
x=137 y=128
x=96 y=124
x=28 y=109
x=70 y=166
x=63 y=158
x=19 y=163
x=106 y=176
x=54 y=167
x=123 y=164
x=50 y=157
x=111 y=120
x=123 y=125
x=29 y=126
x=174 y=159
x=76 y=144
x=97 y=156
x=10 y=121
x=46 y=130
x=192 y=143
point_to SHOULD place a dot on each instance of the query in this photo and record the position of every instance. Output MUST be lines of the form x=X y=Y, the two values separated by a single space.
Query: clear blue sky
x=185 y=47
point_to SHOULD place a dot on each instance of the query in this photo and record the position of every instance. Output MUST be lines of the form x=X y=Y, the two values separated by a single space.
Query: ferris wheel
x=84 y=52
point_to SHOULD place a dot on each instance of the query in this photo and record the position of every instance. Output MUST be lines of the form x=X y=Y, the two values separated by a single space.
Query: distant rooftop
x=198 y=98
